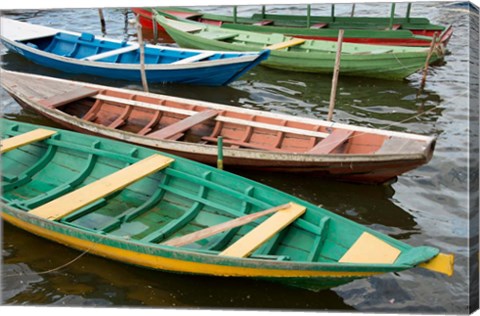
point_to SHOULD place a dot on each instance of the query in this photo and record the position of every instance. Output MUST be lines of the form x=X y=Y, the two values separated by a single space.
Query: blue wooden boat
x=87 y=54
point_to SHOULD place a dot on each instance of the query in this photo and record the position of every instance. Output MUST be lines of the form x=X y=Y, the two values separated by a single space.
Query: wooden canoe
x=87 y=54
x=252 y=139
x=314 y=56
x=408 y=31
x=151 y=209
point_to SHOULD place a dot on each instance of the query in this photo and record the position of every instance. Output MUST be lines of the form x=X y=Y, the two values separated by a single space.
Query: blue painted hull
x=208 y=75
x=86 y=54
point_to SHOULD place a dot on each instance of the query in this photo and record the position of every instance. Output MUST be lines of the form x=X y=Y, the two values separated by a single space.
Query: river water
x=427 y=206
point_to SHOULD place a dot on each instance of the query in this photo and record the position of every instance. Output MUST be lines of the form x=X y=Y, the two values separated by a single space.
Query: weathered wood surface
x=263 y=232
x=213 y=230
x=184 y=124
x=24 y=139
x=331 y=142
x=18 y=31
x=67 y=97
x=94 y=191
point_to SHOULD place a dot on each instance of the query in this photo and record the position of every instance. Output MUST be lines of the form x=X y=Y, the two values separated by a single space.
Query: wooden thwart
x=286 y=44
x=114 y=52
x=67 y=97
x=94 y=191
x=183 y=125
x=370 y=249
x=25 y=139
x=213 y=230
x=194 y=58
x=331 y=142
x=263 y=232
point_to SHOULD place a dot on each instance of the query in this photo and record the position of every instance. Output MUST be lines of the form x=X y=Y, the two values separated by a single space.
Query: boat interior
x=87 y=47
x=119 y=190
x=165 y=119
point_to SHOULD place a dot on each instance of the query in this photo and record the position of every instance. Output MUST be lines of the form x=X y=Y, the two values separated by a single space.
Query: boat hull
x=176 y=262
x=133 y=204
x=352 y=35
x=212 y=75
x=381 y=65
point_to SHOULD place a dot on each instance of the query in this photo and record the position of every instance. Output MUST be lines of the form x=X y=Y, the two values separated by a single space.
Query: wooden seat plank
x=194 y=58
x=25 y=139
x=263 y=232
x=114 y=52
x=331 y=142
x=370 y=249
x=67 y=97
x=286 y=44
x=94 y=191
x=183 y=125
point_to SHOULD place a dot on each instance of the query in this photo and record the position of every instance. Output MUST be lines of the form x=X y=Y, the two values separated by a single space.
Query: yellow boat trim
x=168 y=264
x=442 y=263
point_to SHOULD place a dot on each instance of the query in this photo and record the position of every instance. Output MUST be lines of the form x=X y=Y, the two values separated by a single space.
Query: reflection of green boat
x=389 y=62
x=154 y=210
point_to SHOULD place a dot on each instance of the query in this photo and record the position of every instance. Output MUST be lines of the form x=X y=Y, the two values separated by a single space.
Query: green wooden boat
x=154 y=210
x=294 y=54
x=407 y=31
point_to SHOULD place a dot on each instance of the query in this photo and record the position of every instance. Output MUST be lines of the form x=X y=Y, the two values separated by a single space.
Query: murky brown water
x=428 y=206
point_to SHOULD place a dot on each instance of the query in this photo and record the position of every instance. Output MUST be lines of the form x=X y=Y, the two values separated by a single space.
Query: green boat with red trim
x=294 y=54
x=155 y=210
x=402 y=31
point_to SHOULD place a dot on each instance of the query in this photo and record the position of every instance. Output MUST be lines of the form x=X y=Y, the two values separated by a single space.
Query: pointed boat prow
x=442 y=263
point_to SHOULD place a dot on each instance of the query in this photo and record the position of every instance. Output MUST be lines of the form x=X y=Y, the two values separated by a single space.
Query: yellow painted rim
x=168 y=264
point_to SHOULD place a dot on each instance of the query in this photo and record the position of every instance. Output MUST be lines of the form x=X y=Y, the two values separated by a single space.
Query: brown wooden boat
x=253 y=139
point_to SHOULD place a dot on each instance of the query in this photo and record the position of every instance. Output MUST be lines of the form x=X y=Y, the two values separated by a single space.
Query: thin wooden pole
x=409 y=7
x=142 y=55
x=155 y=28
x=102 y=21
x=216 y=229
x=220 y=152
x=333 y=93
x=353 y=10
x=392 y=16
x=333 y=13
x=235 y=14
x=309 y=13
x=427 y=63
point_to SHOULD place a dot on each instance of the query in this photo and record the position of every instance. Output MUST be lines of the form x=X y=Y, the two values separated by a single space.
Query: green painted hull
x=376 y=61
x=130 y=225
x=336 y=22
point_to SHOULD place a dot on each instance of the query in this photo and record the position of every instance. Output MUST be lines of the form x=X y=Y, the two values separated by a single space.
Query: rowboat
x=295 y=54
x=406 y=31
x=249 y=138
x=87 y=54
x=154 y=210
